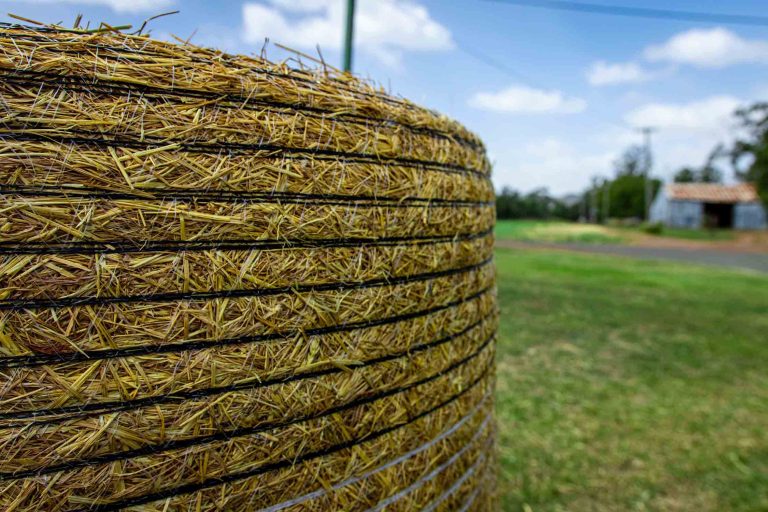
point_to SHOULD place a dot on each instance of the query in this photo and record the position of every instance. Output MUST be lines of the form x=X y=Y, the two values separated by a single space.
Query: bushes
x=652 y=228
x=538 y=204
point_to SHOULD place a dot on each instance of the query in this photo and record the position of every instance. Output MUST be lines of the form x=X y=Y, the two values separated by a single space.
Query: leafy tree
x=685 y=175
x=750 y=154
x=627 y=196
x=710 y=175
x=537 y=204
x=626 y=192
x=632 y=162
x=707 y=173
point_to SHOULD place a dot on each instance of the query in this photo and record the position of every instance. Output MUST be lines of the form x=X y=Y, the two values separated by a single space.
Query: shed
x=697 y=205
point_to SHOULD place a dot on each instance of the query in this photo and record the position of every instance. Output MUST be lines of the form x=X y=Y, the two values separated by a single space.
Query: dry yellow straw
x=226 y=284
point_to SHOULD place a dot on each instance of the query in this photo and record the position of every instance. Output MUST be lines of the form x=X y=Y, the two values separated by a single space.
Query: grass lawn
x=698 y=234
x=631 y=385
x=555 y=231
x=572 y=232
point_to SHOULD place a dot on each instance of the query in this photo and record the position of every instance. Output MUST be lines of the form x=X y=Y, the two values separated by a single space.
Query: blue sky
x=574 y=89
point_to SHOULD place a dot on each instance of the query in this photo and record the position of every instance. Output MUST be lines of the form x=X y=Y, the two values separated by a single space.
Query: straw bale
x=233 y=284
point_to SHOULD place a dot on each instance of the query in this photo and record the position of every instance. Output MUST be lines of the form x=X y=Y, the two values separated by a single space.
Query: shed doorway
x=718 y=215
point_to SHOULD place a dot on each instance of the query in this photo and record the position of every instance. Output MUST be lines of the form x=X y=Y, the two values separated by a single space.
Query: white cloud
x=116 y=5
x=384 y=28
x=707 y=115
x=520 y=99
x=604 y=73
x=687 y=132
x=551 y=162
x=301 y=5
x=709 y=48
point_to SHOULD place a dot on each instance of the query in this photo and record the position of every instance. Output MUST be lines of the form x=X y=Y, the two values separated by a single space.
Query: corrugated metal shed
x=712 y=192
x=696 y=205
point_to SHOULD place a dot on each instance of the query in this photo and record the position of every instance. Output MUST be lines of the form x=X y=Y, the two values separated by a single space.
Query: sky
x=556 y=96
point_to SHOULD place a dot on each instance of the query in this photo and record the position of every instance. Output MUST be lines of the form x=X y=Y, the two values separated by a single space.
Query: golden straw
x=226 y=284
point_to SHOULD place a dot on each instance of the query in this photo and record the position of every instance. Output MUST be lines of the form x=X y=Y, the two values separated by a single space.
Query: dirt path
x=686 y=252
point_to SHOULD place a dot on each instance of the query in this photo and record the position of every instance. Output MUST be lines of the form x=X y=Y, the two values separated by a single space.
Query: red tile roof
x=712 y=192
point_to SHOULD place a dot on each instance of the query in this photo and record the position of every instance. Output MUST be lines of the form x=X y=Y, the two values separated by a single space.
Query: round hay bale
x=227 y=284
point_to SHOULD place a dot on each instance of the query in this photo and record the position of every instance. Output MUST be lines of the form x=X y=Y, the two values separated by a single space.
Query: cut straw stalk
x=241 y=455
x=84 y=165
x=126 y=325
x=224 y=282
x=138 y=63
x=68 y=384
x=78 y=450
x=114 y=275
x=178 y=120
x=50 y=219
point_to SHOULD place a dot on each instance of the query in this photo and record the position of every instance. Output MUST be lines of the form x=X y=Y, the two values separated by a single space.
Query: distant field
x=554 y=231
x=631 y=385
x=572 y=232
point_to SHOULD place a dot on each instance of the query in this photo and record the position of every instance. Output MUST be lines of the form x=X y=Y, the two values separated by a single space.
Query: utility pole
x=593 y=202
x=349 y=36
x=647 y=131
x=606 y=200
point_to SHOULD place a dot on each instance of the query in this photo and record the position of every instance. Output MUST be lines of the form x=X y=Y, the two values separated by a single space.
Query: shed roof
x=712 y=192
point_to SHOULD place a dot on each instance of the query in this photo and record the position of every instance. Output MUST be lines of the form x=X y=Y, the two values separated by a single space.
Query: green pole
x=348 y=36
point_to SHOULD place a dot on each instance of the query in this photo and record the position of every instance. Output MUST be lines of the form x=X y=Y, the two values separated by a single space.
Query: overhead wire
x=641 y=12
x=494 y=63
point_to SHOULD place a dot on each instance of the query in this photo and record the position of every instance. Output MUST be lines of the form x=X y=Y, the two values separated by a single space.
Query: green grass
x=631 y=385
x=698 y=234
x=571 y=232
x=554 y=231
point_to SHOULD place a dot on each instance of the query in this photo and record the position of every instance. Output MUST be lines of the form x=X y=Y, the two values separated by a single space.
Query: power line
x=494 y=63
x=641 y=12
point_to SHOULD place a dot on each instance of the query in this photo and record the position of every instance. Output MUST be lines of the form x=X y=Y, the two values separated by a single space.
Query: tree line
x=538 y=204
x=624 y=195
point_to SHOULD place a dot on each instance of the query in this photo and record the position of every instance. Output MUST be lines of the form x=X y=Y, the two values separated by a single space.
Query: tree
x=632 y=162
x=707 y=173
x=710 y=175
x=685 y=175
x=537 y=204
x=626 y=192
x=627 y=196
x=749 y=155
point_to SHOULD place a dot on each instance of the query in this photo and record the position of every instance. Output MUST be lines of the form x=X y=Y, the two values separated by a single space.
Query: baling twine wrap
x=227 y=284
